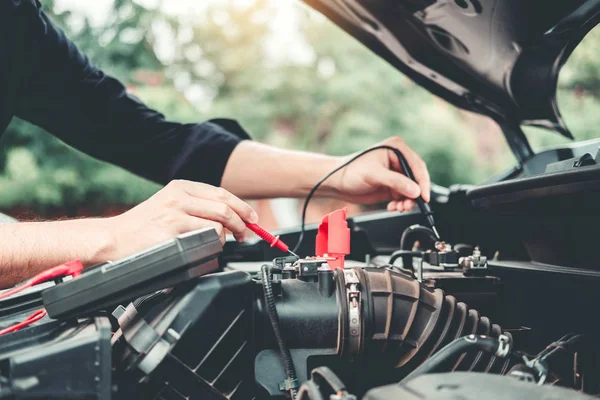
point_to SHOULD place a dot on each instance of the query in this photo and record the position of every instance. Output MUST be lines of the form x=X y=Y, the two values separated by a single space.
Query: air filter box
x=192 y=342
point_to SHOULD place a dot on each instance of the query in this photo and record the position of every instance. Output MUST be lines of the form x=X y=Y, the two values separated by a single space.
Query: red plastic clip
x=333 y=238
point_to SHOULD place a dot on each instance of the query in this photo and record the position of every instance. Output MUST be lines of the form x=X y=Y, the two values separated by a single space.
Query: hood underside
x=500 y=58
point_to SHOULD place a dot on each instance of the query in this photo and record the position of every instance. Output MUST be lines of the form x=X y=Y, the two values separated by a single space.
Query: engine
x=313 y=327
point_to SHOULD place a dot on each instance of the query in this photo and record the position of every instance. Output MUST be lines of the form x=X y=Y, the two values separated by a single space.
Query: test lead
x=274 y=241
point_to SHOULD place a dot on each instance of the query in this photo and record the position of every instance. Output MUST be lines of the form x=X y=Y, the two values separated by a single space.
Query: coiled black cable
x=288 y=364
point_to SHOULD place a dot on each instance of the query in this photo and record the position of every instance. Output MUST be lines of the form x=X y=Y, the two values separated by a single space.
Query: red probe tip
x=274 y=241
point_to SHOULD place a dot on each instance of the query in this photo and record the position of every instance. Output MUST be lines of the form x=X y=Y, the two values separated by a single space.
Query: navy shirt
x=46 y=80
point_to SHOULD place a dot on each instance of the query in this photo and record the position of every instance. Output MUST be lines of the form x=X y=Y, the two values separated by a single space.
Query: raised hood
x=500 y=58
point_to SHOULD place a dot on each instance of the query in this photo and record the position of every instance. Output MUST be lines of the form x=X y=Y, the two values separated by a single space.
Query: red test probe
x=274 y=241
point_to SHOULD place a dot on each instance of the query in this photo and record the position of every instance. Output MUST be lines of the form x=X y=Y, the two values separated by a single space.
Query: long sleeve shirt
x=46 y=80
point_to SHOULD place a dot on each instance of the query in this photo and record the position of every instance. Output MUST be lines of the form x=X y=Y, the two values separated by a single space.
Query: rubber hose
x=459 y=346
x=309 y=391
x=286 y=357
x=327 y=375
x=416 y=229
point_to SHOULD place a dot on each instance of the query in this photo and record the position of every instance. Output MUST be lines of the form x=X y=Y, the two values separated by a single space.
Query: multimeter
x=112 y=283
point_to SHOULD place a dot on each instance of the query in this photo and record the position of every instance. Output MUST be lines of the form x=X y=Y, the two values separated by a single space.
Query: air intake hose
x=402 y=322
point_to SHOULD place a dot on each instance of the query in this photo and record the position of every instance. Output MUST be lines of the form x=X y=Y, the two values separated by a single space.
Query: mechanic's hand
x=180 y=207
x=376 y=177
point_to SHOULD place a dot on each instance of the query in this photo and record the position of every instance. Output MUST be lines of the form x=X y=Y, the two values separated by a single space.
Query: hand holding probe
x=274 y=241
x=423 y=205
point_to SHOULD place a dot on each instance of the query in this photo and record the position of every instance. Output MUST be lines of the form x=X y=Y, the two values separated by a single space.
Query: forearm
x=28 y=248
x=256 y=170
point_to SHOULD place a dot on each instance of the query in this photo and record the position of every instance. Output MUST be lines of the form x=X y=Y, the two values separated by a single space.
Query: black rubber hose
x=406 y=255
x=460 y=346
x=309 y=391
x=286 y=357
x=413 y=230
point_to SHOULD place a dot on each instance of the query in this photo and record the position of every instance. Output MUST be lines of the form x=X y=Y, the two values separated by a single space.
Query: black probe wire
x=401 y=160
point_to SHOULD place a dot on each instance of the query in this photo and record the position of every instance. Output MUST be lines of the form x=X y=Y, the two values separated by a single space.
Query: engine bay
x=374 y=307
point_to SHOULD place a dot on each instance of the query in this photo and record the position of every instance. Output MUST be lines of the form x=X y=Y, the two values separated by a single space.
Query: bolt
x=324 y=267
x=354 y=320
x=354 y=331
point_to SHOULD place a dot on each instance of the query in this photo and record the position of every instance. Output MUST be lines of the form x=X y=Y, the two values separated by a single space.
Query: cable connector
x=71 y=268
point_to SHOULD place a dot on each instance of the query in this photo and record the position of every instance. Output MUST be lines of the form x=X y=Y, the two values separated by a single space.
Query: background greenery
x=338 y=100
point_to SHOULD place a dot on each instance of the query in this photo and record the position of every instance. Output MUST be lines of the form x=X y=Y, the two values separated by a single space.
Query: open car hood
x=500 y=58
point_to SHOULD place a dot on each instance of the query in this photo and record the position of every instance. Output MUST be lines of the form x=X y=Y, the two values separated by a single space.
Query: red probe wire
x=36 y=316
x=72 y=268
x=274 y=241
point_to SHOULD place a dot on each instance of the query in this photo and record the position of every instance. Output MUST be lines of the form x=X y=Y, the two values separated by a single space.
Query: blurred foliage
x=578 y=94
x=339 y=100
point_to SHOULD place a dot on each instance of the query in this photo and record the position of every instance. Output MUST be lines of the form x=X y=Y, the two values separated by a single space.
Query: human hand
x=180 y=207
x=377 y=177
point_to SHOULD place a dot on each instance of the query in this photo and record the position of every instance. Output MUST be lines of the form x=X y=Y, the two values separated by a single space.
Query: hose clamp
x=354 y=304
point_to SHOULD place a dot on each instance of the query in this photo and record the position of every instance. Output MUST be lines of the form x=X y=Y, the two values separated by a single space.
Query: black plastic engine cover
x=194 y=342
x=57 y=360
x=470 y=386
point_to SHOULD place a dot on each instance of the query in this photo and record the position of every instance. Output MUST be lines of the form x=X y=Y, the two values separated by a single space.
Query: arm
x=60 y=90
x=257 y=170
x=28 y=248
x=31 y=247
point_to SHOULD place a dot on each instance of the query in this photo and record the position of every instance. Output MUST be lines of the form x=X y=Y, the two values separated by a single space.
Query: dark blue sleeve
x=62 y=92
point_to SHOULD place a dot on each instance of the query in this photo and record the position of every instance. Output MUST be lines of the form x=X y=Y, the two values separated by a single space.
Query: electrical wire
x=404 y=166
x=36 y=316
x=288 y=364
x=414 y=230
x=72 y=268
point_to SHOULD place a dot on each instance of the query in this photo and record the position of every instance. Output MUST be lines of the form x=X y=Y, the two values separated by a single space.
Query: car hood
x=500 y=58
